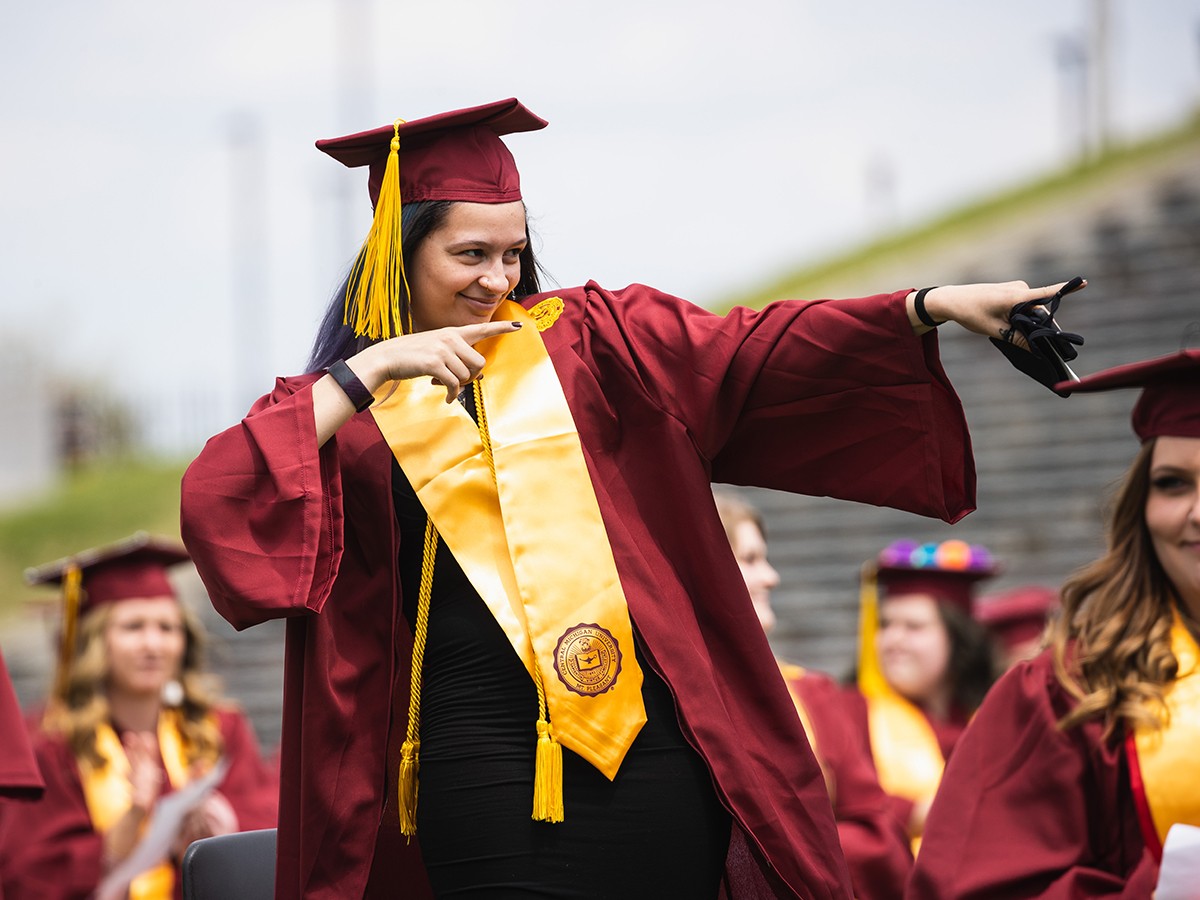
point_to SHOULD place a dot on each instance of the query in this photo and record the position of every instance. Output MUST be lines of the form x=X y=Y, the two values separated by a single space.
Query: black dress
x=656 y=830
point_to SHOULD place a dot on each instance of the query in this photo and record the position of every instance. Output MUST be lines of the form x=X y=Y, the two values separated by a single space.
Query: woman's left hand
x=982 y=308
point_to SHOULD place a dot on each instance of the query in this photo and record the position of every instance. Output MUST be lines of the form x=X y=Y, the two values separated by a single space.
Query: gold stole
x=908 y=758
x=108 y=793
x=531 y=541
x=905 y=747
x=1166 y=756
x=790 y=672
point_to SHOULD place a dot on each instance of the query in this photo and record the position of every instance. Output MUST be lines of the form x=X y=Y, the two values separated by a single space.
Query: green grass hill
x=99 y=504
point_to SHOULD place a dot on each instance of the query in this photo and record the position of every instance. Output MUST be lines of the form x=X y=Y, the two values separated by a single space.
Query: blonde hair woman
x=132 y=717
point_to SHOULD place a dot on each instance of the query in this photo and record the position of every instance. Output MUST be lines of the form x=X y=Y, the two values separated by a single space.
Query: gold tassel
x=870 y=677
x=410 y=760
x=373 y=292
x=547 y=776
x=408 y=787
x=72 y=597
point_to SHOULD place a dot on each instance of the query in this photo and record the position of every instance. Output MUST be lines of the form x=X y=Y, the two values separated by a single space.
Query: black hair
x=972 y=668
x=336 y=340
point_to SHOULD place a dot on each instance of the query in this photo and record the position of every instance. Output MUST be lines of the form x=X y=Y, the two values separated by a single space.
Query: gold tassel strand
x=72 y=597
x=547 y=771
x=411 y=748
x=373 y=291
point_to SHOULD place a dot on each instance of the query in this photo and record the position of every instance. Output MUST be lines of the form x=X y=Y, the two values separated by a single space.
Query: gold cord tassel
x=547 y=766
x=410 y=762
x=72 y=597
x=373 y=291
x=408 y=787
x=547 y=776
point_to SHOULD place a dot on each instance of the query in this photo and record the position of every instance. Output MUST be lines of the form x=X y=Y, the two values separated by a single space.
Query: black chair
x=238 y=866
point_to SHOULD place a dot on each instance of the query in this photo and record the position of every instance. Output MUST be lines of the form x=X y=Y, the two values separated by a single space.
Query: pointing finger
x=474 y=333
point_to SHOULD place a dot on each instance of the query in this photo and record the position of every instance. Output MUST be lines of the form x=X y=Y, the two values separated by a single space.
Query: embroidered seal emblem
x=587 y=659
x=546 y=312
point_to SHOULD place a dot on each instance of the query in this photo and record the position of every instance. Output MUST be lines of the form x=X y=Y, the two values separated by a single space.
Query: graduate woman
x=874 y=843
x=487 y=514
x=131 y=718
x=1080 y=760
x=924 y=666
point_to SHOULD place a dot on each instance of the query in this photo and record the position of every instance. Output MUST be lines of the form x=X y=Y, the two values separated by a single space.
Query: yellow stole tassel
x=373 y=291
x=1166 y=753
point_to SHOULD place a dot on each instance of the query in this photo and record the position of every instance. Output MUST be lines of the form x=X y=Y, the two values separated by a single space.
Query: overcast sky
x=161 y=191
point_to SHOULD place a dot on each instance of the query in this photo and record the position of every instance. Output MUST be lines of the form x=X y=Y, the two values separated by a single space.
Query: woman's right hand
x=445 y=355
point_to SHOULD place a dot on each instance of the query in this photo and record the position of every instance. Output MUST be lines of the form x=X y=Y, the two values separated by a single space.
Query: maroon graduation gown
x=833 y=398
x=1026 y=809
x=19 y=776
x=49 y=849
x=20 y=780
x=874 y=842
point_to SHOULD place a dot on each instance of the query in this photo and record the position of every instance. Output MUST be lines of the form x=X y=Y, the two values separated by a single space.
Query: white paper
x=164 y=826
x=1179 y=876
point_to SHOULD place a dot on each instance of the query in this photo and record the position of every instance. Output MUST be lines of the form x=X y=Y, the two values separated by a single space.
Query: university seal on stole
x=546 y=312
x=587 y=659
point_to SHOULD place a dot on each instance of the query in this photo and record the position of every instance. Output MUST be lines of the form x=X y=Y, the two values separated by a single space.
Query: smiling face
x=760 y=576
x=914 y=647
x=465 y=268
x=1173 y=514
x=145 y=640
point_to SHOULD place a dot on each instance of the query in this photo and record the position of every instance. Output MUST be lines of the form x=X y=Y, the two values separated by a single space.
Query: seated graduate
x=1080 y=760
x=924 y=666
x=875 y=845
x=132 y=717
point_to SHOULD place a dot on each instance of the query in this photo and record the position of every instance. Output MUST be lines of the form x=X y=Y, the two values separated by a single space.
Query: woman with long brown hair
x=1081 y=760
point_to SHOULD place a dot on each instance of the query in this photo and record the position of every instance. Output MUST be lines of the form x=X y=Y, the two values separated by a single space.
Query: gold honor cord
x=544 y=569
x=411 y=748
x=547 y=780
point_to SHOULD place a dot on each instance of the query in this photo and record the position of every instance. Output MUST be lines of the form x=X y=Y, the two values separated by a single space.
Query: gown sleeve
x=19 y=775
x=833 y=398
x=261 y=510
x=48 y=849
x=1026 y=809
